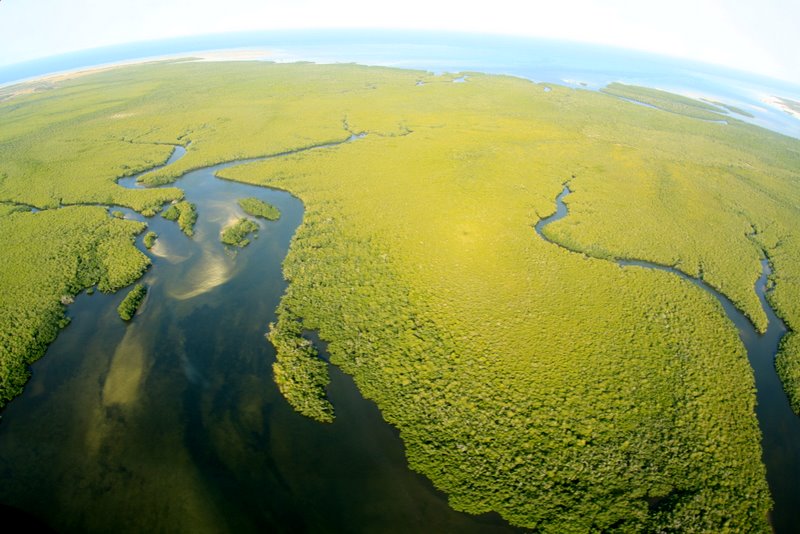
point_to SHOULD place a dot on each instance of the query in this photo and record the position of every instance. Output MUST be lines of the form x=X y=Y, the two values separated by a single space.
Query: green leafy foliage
x=150 y=239
x=421 y=337
x=259 y=208
x=185 y=213
x=48 y=258
x=127 y=308
x=6 y=209
x=237 y=233
x=564 y=392
x=301 y=376
x=732 y=109
x=667 y=101
x=788 y=365
x=81 y=146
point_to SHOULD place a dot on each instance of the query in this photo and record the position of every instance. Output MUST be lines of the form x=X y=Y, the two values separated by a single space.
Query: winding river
x=780 y=427
x=172 y=423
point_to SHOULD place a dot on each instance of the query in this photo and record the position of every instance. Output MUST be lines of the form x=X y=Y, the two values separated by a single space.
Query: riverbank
x=45 y=82
x=188 y=384
x=504 y=362
x=779 y=425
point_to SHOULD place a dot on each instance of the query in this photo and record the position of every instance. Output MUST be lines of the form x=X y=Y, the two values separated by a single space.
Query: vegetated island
x=679 y=104
x=150 y=239
x=237 y=234
x=792 y=107
x=732 y=109
x=127 y=308
x=301 y=376
x=559 y=390
x=185 y=213
x=258 y=208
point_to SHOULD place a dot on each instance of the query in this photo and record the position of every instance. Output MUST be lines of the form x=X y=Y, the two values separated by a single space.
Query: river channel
x=780 y=427
x=172 y=423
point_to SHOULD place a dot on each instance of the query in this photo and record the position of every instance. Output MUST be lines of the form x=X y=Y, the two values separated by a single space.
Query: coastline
x=44 y=82
x=535 y=60
x=782 y=104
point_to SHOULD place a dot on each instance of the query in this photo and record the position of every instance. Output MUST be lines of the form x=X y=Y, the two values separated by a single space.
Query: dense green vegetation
x=301 y=376
x=562 y=391
x=732 y=109
x=259 y=208
x=422 y=341
x=185 y=213
x=668 y=101
x=6 y=209
x=150 y=239
x=48 y=258
x=237 y=234
x=788 y=364
x=82 y=145
x=127 y=308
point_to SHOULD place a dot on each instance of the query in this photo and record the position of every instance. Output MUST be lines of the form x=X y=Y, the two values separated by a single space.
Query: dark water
x=780 y=427
x=173 y=423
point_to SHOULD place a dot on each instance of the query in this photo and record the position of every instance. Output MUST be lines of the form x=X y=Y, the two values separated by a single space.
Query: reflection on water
x=127 y=369
x=162 y=250
x=172 y=422
x=211 y=268
x=224 y=213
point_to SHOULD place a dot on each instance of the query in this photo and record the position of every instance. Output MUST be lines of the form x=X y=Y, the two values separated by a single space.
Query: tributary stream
x=172 y=423
x=779 y=425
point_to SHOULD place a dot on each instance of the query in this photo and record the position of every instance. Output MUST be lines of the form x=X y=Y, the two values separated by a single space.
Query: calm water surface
x=173 y=423
x=577 y=65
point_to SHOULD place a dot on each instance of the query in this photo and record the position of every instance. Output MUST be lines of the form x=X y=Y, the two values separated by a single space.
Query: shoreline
x=771 y=116
x=781 y=104
x=35 y=84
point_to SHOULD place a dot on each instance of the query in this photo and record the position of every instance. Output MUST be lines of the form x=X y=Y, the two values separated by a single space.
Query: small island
x=185 y=213
x=127 y=308
x=259 y=208
x=150 y=239
x=524 y=372
x=237 y=233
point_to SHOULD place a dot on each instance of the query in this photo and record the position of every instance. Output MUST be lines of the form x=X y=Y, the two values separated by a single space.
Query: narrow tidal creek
x=780 y=427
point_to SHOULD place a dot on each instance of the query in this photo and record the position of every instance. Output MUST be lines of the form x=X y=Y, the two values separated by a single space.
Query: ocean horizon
x=577 y=65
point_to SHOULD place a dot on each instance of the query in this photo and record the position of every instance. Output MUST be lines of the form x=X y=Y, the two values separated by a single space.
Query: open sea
x=582 y=66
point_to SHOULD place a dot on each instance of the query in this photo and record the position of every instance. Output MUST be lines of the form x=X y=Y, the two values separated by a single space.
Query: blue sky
x=761 y=36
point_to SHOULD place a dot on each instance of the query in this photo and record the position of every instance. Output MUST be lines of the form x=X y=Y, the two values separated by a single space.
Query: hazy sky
x=760 y=36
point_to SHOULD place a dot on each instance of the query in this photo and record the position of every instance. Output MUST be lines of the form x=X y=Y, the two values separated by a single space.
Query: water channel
x=172 y=422
x=780 y=427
